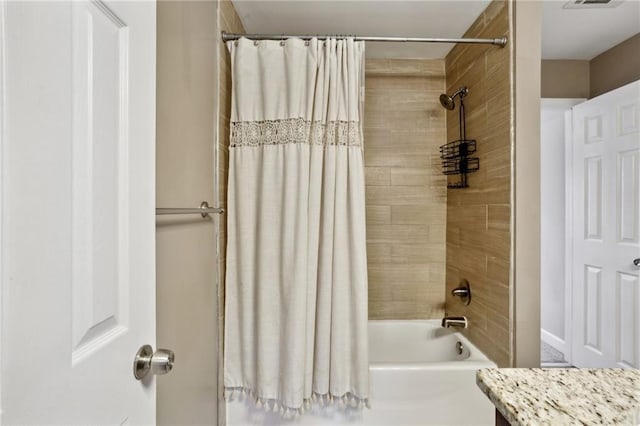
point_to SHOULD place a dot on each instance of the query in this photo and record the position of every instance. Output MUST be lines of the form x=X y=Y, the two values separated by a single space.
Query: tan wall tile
x=396 y=275
x=397 y=195
x=410 y=176
x=378 y=215
x=404 y=128
x=427 y=213
x=377 y=253
x=377 y=176
x=498 y=217
x=478 y=218
x=431 y=253
x=395 y=157
x=398 y=234
x=229 y=22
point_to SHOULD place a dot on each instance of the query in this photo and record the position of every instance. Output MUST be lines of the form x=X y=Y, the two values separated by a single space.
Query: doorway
x=590 y=236
x=555 y=124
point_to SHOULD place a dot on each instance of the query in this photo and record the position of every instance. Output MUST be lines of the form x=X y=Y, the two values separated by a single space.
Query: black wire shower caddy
x=456 y=156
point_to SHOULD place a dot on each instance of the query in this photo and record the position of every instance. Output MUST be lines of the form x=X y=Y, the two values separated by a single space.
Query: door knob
x=158 y=362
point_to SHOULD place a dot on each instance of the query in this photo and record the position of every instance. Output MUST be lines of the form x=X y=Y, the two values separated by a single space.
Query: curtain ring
x=282 y=40
x=255 y=42
x=306 y=43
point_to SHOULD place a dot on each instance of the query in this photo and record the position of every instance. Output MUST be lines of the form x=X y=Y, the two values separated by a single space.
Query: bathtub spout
x=454 y=322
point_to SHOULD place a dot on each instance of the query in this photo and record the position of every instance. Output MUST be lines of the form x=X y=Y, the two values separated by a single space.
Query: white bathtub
x=417 y=378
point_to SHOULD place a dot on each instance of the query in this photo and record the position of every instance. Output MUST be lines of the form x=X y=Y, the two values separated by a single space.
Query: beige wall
x=526 y=251
x=611 y=69
x=229 y=22
x=404 y=127
x=616 y=67
x=565 y=79
x=478 y=217
x=186 y=275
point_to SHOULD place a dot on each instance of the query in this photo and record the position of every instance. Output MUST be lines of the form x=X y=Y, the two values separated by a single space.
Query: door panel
x=627 y=305
x=593 y=308
x=593 y=198
x=100 y=224
x=627 y=197
x=606 y=178
x=78 y=211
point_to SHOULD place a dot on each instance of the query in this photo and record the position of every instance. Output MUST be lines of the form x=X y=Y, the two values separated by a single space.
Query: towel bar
x=204 y=210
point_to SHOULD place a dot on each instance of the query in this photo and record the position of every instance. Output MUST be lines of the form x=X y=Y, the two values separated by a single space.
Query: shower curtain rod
x=501 y=41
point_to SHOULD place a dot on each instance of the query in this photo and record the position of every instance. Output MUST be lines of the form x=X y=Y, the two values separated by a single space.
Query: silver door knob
x=147 y=361
x=636 y=262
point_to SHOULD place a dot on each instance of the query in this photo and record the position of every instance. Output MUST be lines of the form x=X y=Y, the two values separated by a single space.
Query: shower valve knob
x=463 y=291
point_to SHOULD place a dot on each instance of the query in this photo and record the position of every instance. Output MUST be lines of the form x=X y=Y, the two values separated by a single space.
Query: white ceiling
x=426 y=18
x=566 y=33
x=585 y=33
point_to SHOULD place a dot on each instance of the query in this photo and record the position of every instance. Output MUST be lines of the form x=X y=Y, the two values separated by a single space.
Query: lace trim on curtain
x=346 y=401
x=295 y=131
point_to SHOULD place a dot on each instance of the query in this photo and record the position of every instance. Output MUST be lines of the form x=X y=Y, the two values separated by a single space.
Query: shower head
x=448 y=101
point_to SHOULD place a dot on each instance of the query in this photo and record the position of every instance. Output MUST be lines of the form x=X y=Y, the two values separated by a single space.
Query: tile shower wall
x=478 y=217
x=228 y=21
x=404 y=126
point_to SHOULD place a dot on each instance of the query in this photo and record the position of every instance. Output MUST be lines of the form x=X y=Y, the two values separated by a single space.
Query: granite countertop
x=563 y=396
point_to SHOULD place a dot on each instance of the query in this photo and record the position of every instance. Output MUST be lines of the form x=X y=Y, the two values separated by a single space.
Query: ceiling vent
x=592 y=4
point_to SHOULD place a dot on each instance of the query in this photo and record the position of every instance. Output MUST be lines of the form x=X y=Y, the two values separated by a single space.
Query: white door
x=606 y=224
x=78 y=155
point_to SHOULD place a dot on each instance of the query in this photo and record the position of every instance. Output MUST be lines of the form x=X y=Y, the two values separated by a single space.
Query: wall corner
x=525 y=274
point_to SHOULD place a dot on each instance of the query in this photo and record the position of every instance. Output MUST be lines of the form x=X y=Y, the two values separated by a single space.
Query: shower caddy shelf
x=456 y=156
x=456 y=160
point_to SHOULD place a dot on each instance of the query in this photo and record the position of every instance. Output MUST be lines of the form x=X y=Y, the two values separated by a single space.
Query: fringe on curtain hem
x=347 y=400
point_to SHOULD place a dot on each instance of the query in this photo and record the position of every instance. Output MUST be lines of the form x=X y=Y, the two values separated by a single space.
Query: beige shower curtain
x=296 y=281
